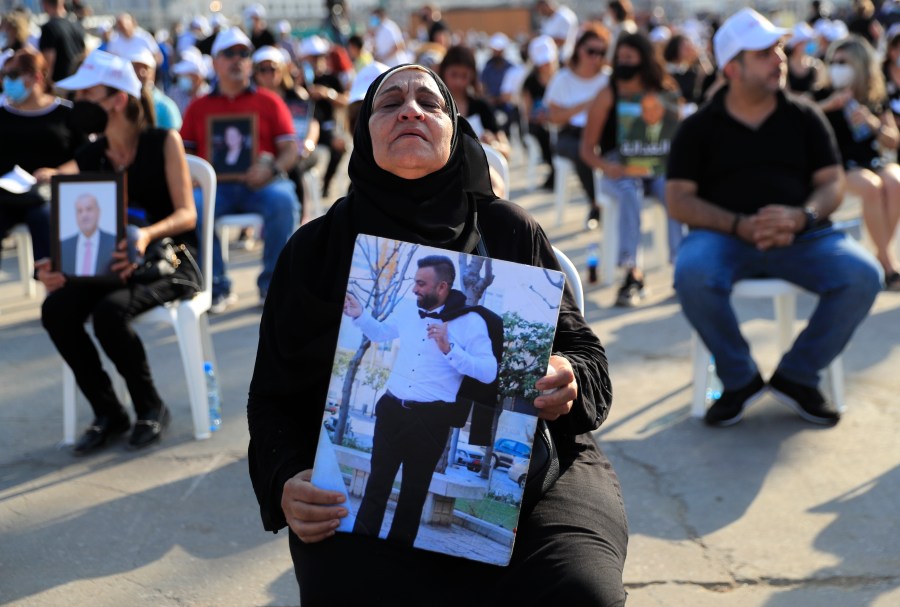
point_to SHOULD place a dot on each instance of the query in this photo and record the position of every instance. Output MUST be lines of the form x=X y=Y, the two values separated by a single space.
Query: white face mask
x=841 y=75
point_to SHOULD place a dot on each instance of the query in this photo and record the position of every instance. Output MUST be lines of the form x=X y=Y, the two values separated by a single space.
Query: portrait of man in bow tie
x=442 y=341
x=89 y=251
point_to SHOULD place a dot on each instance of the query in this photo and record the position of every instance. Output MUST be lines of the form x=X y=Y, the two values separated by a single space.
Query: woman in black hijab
x=418 y=174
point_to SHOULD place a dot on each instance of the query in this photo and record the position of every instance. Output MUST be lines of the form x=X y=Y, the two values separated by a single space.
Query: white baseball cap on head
x=233 y=36
x=660 y=33
x=313 y=46
x=255 y=10
x=802 y=32
x=284 y=26
x=143 y=56
x=746 y=30
x=268 y=53
x=191 y=63
x=542 y=50
x=364 y=78
x=102 y=68
x=498 y=42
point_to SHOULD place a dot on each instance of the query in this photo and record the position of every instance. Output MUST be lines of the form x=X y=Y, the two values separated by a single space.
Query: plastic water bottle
x=593 y=260
x=212 y=394
x=713 y=383
x=859 y=131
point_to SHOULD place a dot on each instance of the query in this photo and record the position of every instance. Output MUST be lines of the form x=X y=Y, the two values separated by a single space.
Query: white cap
x=255 y=10
x=802 y=32
x=312 y=46
x=192 y=62
x=233 y=36
x=660 y=33
x=142 y=56
x=220 y=20
x=365 y=77
x=269 y=53
x=838 y=31
x=746 y=30
x=107 y=69
x=498 y=42
x=542 y=50
x=284 y=26
x=200 y=23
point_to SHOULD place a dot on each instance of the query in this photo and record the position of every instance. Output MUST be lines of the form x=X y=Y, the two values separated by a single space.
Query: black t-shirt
x=147 y=186
x=37 y=138
x=324 y=110
x=479 y=107
x=862 y=153
x=264 y=38
x=743 y=169
x=67 y=38
x=535 y=90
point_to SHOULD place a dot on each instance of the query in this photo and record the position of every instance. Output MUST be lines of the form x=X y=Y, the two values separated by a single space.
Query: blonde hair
x=868 y=83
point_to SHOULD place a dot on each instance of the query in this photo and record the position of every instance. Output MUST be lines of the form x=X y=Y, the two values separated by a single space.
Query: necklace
x=121 y=160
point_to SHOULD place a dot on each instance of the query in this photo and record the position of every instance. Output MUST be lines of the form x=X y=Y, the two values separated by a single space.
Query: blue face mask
x=15 y=89
x=811 y=47
x=374 y=21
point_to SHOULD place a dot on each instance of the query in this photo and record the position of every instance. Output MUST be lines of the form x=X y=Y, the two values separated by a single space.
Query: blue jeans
x=276 y=202
x=629 y=192
x=825 y=262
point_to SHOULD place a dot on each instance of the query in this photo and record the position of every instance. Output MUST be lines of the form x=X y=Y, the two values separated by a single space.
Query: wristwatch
x=812 y=218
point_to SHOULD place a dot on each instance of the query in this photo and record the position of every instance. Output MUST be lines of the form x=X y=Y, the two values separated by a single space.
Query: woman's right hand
x=52 y=280
x=312 y=513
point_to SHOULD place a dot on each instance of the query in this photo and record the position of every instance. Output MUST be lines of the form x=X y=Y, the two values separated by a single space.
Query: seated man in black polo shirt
x=755 y=174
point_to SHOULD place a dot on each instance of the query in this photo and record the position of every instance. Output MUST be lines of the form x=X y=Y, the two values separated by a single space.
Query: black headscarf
x=439 y=209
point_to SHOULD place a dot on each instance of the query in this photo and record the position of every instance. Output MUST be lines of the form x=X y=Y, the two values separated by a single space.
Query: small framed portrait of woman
x=87 y=221
x=232 y=144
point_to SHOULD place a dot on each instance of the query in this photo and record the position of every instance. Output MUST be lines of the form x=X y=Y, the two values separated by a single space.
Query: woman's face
x=233 y=138
x=268 y=74
x=592 y=54
x=410 y=128
x=626 y=55
x=458 y=78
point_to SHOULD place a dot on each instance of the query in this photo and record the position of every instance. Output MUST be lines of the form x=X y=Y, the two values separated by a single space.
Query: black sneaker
x=729 y=408
x=631 y=292
x=807 y=401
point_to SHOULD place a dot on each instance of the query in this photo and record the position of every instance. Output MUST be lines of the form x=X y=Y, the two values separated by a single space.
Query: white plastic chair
x=609 y=254
x=572 y=276
x=498 y=162
x=784 y=299
x=22 y=236
x=562 y=169
x=533 y=151
x=187 y=317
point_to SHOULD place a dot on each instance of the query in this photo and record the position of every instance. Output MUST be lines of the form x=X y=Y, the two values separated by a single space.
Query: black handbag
x=164 y=258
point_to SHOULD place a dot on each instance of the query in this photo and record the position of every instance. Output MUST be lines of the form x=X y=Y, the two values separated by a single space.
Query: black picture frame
x=232 y=144
x=73 y=193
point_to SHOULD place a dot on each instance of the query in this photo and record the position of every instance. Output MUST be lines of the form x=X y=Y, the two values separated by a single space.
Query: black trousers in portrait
x=411 y=434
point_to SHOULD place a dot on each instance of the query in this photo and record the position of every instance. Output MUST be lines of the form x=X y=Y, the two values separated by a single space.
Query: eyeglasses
x=266 y=70
x=231 y=53
x=595 y=52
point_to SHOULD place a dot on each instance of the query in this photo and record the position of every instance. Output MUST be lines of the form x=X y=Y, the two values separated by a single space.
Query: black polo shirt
x=744 y=169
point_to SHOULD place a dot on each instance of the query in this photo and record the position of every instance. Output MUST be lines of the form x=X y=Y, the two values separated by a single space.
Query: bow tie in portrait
x=424 y=314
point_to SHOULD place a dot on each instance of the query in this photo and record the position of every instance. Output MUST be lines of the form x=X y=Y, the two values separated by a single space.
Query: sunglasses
x=595 y=52
x=230 y=53
x=266 y=70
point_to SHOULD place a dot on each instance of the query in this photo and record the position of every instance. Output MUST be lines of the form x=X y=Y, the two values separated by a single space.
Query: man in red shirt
x=253 y=180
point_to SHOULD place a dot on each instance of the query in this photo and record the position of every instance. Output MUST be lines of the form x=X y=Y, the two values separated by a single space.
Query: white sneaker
x=221 y=303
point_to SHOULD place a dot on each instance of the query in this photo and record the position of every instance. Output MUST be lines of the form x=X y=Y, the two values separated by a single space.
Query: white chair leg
x=609 y=256
x=701 y=375
x=26 y=260
x=68 y=405
x=834 y=379
x=561 y=169
x=224 y=234
x=785 y=317
x=190 y=342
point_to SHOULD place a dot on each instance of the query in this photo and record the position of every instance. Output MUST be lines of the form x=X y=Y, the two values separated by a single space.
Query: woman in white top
x=568 y=97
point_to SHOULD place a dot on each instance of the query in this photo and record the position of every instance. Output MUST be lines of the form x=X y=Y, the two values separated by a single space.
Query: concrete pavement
x=773 y=512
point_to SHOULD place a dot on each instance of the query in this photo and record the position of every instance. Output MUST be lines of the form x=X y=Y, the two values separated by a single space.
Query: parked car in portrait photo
x=506 y=450
x=469 y=456
x=518 y=472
